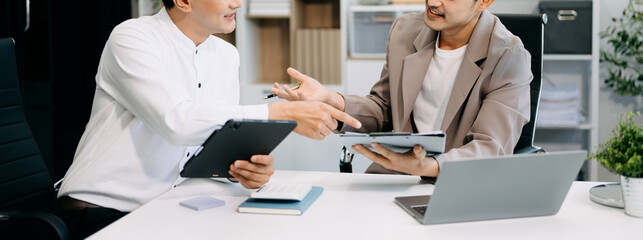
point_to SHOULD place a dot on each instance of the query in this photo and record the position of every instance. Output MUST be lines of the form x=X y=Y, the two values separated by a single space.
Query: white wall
x=611 y=104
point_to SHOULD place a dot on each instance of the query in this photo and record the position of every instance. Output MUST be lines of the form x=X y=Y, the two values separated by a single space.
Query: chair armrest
x=54 y=221
x=529 y=149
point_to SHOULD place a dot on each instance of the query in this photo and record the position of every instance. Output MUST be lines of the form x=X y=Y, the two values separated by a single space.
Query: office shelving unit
x=582 y=71
x=269 y=44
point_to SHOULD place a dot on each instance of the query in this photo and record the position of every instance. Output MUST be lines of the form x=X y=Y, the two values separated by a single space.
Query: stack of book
x=281 y=206
x=269 y=8
x=559 y=107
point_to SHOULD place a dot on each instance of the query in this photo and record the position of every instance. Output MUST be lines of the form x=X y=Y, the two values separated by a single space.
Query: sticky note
x=202 y=202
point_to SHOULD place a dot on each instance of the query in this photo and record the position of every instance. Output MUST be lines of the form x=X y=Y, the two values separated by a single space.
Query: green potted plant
x=622 y=154
x=623 y=54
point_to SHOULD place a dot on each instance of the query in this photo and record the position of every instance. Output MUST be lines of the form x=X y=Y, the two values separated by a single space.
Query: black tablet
x=236 y=140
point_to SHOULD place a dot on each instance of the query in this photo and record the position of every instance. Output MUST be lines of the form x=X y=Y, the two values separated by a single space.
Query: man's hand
x=254 y=173
x=309 y=90
x=314 y=119
x=412 y=162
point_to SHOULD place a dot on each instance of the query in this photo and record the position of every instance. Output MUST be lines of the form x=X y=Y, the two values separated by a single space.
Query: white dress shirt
x=431 y=104
x=158 y=96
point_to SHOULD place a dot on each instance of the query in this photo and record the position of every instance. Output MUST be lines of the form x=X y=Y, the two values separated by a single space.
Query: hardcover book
x=286 y=207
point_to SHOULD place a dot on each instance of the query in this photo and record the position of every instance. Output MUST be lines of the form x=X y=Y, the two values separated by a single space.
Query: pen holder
x=345 y=161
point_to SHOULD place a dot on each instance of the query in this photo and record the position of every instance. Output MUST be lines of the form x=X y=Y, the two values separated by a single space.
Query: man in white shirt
x=164 y=84
x=454 y=68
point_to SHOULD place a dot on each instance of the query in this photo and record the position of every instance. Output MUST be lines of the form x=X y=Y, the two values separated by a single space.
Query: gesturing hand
x=309 y=90
x=314 y=119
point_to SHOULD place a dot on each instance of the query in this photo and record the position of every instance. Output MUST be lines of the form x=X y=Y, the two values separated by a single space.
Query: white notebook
x=282 y=191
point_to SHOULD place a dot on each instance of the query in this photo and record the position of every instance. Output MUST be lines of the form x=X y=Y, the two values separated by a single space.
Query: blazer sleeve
x=505 y=109
x=374 y=109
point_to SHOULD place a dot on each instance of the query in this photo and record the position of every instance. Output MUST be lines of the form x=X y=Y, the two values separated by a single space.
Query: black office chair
x=530 y=29
x=27 y=197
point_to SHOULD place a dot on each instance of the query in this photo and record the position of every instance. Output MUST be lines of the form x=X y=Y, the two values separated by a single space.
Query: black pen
x=293 y=88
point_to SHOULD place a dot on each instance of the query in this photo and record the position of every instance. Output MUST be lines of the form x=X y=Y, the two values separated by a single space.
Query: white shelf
x=567 y=57
x=582 y=126
x=585 y=126
x=260 y=16
x=388 y=8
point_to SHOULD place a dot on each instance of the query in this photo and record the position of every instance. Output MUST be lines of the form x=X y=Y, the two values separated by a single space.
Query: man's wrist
x=337 y=101
x=276 y=111
x=432 y=169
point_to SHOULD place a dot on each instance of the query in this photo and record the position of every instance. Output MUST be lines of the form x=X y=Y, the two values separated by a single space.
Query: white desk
x=357 y=206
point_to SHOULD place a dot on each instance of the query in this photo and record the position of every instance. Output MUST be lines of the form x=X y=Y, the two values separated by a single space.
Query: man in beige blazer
x=485 y=110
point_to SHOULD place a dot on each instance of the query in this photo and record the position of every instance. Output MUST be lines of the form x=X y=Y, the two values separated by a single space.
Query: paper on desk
x=432 y=142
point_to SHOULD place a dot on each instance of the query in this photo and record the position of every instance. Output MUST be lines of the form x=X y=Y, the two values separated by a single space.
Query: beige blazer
x=489 y=103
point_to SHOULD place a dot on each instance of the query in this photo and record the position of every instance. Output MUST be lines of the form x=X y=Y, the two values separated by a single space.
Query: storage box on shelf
x=569 y=29
x=369 y=27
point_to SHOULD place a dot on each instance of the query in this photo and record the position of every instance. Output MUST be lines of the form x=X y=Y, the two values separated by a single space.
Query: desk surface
x=356 y=206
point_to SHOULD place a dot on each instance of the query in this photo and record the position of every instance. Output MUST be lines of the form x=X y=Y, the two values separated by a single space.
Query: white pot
x=632 y=196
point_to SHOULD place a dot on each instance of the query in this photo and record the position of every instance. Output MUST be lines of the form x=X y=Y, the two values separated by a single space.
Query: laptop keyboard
x=421 y=209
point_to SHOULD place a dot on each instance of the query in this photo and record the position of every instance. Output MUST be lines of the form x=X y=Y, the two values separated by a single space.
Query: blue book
x=286 y=207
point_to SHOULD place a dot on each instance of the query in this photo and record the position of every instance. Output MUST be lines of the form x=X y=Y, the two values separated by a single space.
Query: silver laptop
x=510 y=186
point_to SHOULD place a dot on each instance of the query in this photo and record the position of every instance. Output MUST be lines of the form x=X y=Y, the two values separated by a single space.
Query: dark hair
x=168 y=4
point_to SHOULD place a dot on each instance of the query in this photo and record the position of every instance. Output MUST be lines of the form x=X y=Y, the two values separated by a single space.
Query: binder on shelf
x=284 y=207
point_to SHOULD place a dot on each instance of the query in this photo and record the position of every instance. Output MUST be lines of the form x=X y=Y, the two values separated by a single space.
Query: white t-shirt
x=431 y=103
x=158 y=96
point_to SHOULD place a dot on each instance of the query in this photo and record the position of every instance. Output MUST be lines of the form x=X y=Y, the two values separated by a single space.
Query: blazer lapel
x=467 y=76
x=413 y=73
x=470 y=68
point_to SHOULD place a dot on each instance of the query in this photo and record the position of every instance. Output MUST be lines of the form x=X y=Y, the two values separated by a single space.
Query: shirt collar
x=164 y=18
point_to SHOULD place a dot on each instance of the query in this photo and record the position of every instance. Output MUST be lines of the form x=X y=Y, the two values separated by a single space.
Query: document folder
x=432 y=142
